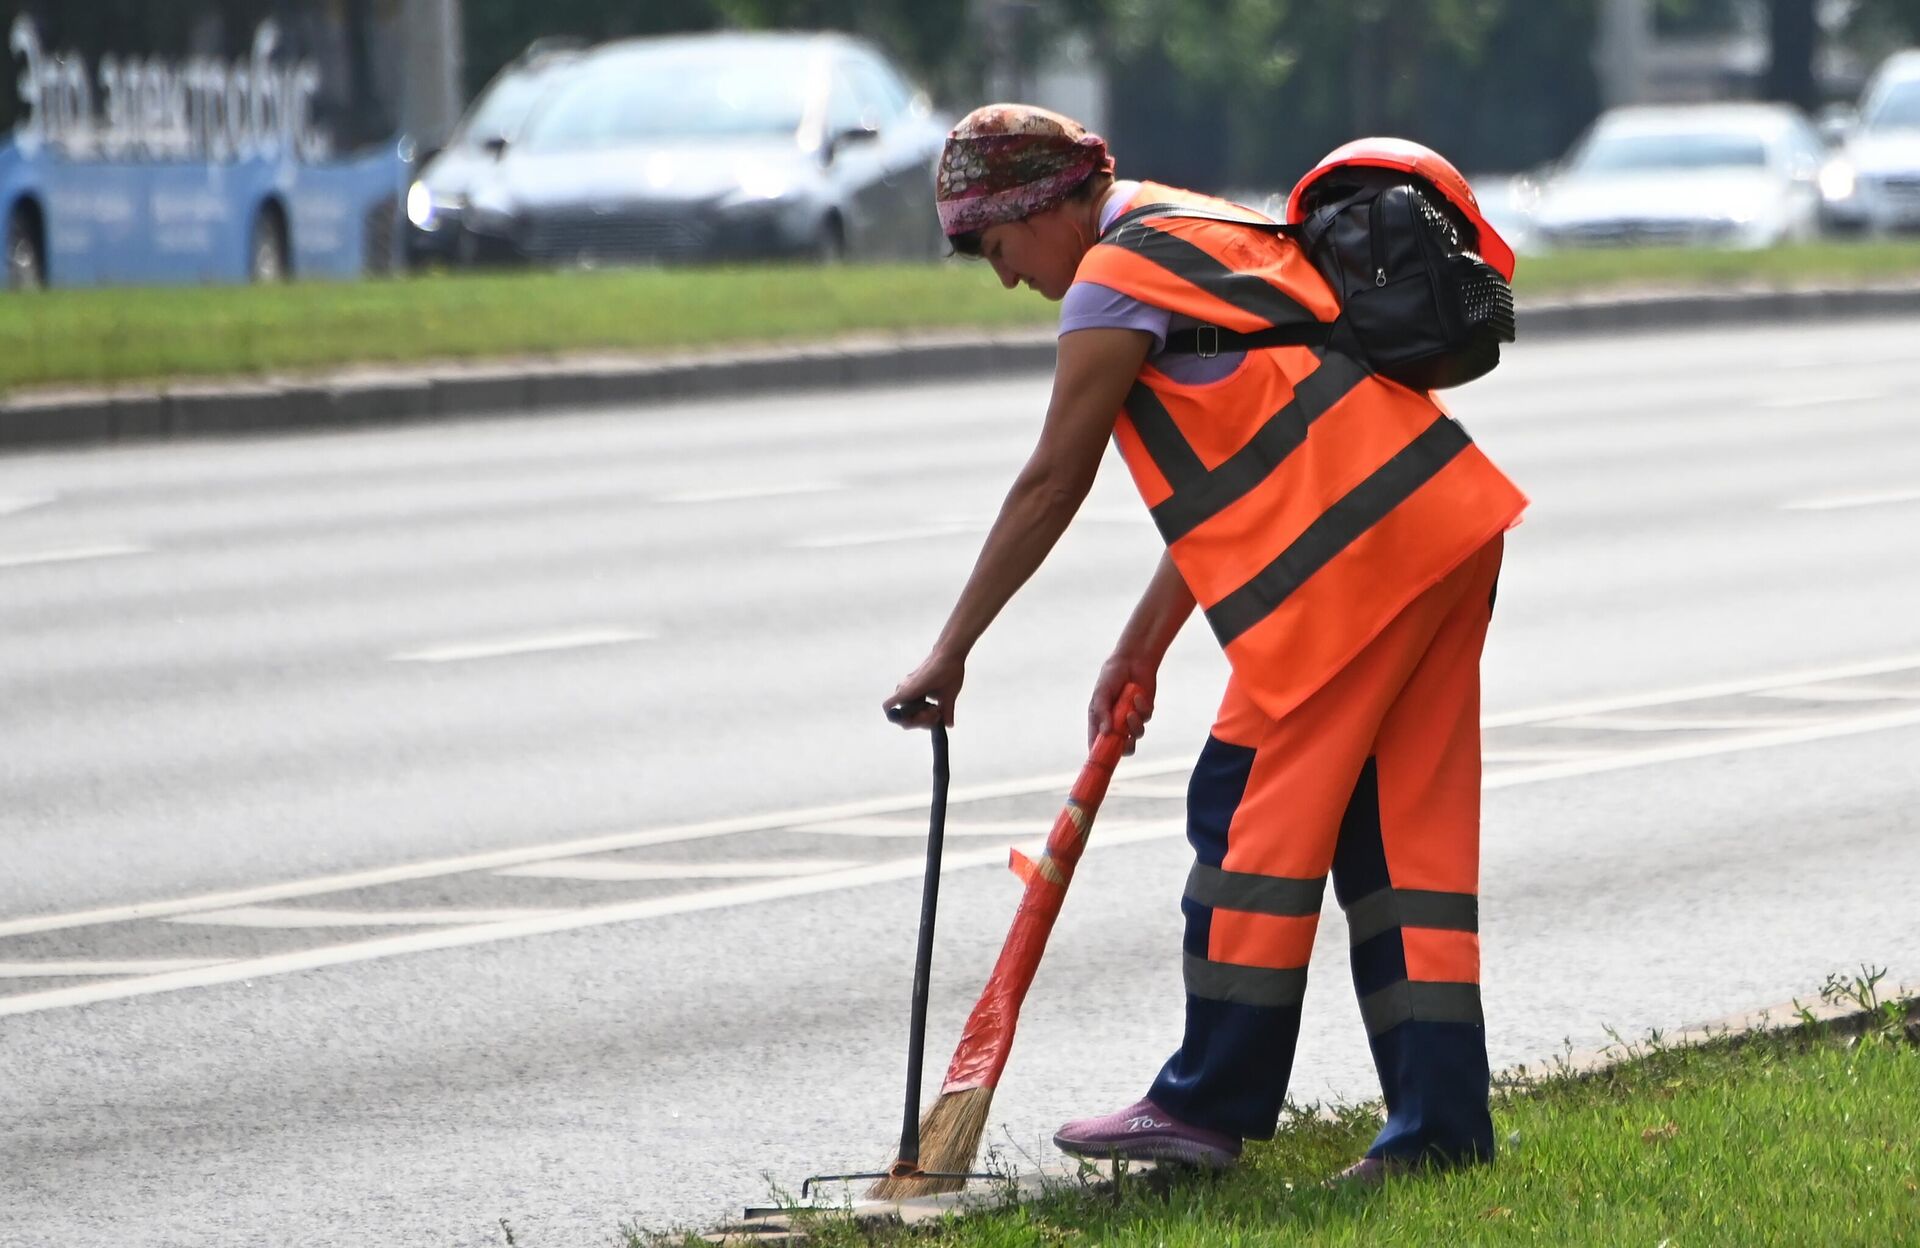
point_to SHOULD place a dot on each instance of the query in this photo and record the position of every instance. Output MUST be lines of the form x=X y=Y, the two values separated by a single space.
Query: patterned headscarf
x=1008 y=161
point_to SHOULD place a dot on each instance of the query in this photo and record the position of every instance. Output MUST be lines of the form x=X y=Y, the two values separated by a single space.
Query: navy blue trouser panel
x=1213 y=794
x=1360 y=855
x=1433 y=1075
x=1435 y=1079
x=1236 y=1060
x=1377 y=962
x=1231 y=1071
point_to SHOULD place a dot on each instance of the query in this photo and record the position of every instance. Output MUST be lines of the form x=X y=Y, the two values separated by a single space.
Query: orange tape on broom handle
x=1068 y=837
x=987 y=1039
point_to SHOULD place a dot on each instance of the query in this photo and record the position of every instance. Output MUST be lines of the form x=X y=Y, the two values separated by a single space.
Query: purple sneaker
x=1145 y=1132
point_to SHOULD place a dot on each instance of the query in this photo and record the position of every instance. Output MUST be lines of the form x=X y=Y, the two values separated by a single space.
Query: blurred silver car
x=1873 y=182
x=1728 y=175
x=716 y=147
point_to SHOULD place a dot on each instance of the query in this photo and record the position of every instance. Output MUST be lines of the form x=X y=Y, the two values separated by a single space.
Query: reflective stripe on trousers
x=1376 y=779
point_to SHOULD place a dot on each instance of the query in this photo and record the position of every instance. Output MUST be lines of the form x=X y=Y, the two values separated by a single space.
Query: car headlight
x=764 y=182
x=1837 y=180
x=420 y=206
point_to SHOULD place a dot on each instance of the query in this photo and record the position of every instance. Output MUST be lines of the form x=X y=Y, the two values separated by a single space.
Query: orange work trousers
x=1375 y=777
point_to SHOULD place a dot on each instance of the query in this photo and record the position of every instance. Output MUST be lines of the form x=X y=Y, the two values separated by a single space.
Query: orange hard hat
x=1423 y=162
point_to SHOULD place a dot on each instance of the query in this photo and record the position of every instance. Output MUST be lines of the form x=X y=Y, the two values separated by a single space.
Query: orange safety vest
x=1304 y=500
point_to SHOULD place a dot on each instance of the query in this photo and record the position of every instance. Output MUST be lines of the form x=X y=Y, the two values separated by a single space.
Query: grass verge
x=1790 y=1138
x=93 y=337
x=104 y=336
x=1836 y=262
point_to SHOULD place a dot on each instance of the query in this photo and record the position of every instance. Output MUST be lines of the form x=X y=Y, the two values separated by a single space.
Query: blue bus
x=156 y=141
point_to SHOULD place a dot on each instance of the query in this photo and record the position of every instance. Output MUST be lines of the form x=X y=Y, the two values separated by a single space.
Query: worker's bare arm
x=1163 y=608
x=1096 y=368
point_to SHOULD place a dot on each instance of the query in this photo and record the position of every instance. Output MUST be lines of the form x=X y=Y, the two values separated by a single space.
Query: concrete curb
x=784 y=1227
x=363 y=397
x=1841 y=1018
x=1663 y=311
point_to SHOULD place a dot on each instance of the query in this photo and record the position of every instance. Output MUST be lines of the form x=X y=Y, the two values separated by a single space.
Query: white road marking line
x=1706 y=747
x=596 y=916
x=608 y=869
x=135 y=966
x=299 y=917
x=14 y=504
x=1682 y=723
x=68 y=554
x=830 y=881
x=494 y=859
x=1534 y=754
x=910 y=828
x=1785 y=402
x=1134 y=770
x=1117 y=833
x=1826 y=361
x=1716 y=689
x=1837 y=692
x=912 y=534
x=743 y=493
x=1837 y=502
x=1148 y=788
x=499 y=647
x=448 y=938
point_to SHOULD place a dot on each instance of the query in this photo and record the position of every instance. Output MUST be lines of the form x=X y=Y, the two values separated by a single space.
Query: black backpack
x=1417 y=305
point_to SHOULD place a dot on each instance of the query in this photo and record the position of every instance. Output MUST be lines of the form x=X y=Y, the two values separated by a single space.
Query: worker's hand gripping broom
x=950 y=1131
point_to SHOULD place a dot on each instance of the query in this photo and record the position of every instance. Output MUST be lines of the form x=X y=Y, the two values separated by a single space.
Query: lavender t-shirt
x=1089 y=305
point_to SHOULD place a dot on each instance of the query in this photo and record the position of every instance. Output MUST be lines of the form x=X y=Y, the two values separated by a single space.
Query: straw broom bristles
x=950 y=1134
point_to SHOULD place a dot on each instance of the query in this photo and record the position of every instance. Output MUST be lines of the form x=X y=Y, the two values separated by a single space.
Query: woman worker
x=1342 y=536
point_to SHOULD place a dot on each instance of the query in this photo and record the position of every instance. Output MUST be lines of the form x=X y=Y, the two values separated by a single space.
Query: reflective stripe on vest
x=1202 y=494
x=1338 y=527
x=1304 y=500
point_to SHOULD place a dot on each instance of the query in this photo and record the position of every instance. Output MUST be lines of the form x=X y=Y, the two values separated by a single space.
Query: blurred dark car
x=716 y=147
x=437 y=199
x=1873 y=182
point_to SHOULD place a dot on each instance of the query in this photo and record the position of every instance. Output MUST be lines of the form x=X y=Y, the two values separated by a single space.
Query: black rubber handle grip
x=898 y=714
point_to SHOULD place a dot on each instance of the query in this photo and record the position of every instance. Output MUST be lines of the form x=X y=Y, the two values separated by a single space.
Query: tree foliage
x=1244 y=92
x=1883 y=25
x=498 y=30
x=924 y=34
x=1276 y=83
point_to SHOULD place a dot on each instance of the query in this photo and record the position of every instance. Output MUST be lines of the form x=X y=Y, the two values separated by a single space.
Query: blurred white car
x=1873 y=181
x=1726 y=175
x=1507 y=201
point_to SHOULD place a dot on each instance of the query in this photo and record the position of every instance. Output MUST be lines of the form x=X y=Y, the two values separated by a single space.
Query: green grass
x=1801 y=264
x=107 y=336
x=1776 y=1141
x=94 y=336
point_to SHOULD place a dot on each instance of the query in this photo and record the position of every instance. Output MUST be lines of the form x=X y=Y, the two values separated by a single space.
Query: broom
x=950 y=1131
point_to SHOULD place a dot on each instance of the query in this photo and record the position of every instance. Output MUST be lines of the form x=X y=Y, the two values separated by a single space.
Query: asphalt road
x=412 y=829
